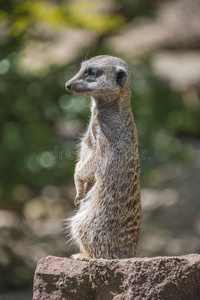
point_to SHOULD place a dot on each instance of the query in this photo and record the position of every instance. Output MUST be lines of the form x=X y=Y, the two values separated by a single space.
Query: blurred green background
x=42 y=44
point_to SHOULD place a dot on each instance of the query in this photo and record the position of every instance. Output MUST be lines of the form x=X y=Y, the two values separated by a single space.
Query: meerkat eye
x=91 y=72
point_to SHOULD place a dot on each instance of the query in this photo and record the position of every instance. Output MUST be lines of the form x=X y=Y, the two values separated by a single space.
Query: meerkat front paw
x=80 y=256
x=77 y=201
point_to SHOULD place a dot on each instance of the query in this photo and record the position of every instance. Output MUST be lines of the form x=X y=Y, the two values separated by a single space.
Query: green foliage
x=160 y=113
x=83 y=14
x=35 y=109
x=29 y=111
x=134 y=8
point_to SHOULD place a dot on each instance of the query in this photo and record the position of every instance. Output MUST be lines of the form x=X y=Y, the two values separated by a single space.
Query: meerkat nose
x=68 y=85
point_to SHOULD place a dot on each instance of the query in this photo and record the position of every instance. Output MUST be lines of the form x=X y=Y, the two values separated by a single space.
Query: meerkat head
x=100 y=76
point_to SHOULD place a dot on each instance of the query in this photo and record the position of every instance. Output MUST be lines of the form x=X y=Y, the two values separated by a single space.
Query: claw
x=76 y=201
x=80 y=256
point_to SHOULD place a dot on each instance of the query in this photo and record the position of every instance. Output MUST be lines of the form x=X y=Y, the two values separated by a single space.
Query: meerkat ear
x=121 y=76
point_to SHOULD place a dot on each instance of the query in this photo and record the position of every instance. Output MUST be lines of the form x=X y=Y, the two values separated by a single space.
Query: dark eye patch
x=92 y=73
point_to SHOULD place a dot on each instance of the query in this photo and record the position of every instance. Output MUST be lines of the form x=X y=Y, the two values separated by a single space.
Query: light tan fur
x=108 y=220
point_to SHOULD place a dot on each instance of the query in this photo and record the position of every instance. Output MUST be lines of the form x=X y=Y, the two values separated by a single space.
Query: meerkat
x=108 y=220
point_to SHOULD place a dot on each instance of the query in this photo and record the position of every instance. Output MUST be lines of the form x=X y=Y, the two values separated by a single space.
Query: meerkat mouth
x=82 y=92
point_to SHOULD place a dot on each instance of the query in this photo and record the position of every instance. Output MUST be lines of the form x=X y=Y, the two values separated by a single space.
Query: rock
x=160 y=278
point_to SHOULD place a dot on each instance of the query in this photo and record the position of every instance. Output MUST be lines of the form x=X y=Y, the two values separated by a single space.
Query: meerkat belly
x=96 y=223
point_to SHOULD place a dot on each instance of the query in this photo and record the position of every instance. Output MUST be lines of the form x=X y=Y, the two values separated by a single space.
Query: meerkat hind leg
x=80 y=256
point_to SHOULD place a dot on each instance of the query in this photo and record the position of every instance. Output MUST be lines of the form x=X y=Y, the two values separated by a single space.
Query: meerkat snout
x=68 y=85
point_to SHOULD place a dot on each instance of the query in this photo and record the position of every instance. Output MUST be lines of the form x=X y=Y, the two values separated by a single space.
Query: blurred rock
x=176 y=25
x=173 y=38
x=9 y=219
x=21 y=192
x=181 y=68
x=147 y=278
x=24 y=240
x=171 y=206
x=154 y=198
x=51 y=192
x=65 y=46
